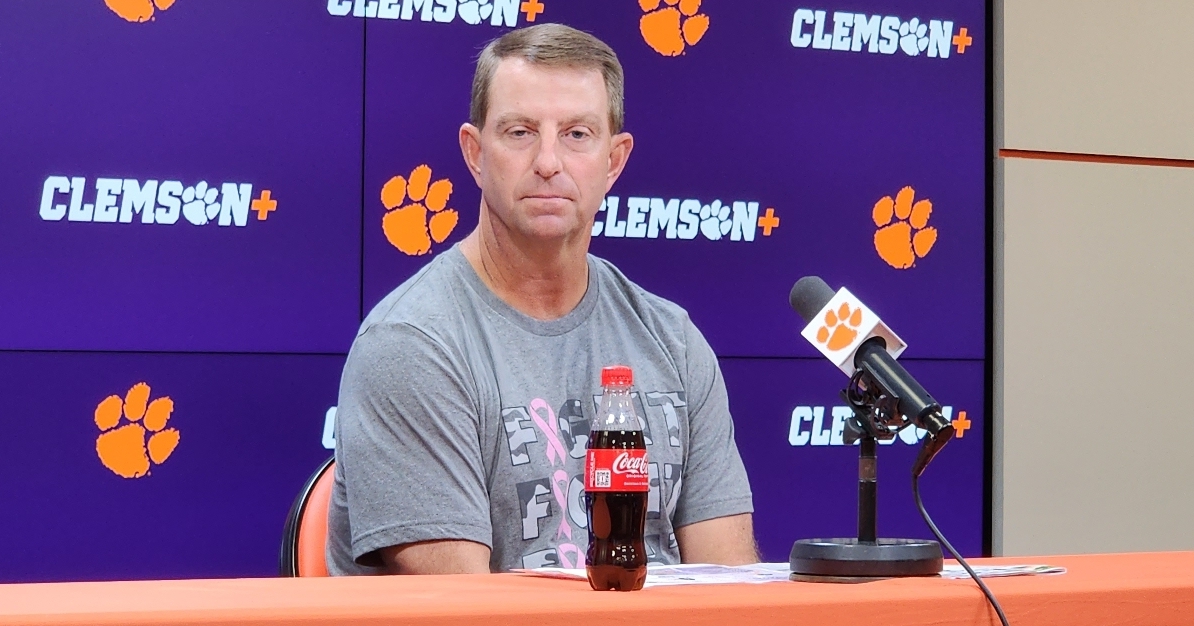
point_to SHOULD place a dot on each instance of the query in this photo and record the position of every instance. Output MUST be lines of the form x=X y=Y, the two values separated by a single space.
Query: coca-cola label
x=616 y=470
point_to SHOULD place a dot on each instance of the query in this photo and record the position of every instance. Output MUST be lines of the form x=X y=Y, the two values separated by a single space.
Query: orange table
x=1153 y=589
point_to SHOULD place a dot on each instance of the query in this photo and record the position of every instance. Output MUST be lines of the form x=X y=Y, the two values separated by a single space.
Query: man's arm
x=407 y=442
x=713 y=513
x=437 y=557
x=723 y=541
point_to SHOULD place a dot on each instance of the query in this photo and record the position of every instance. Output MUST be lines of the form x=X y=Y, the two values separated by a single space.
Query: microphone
x=850 y=335
x=861 y=345
x=838 y=324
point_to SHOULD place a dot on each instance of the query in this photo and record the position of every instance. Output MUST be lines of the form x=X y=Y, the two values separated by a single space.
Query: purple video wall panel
x=773 y=140
x=81 y=505
x=759 y=158
x=788 y=425
x=418 y=77
x=188 y=183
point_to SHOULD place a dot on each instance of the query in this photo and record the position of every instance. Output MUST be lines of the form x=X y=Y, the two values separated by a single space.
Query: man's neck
x=543 y=280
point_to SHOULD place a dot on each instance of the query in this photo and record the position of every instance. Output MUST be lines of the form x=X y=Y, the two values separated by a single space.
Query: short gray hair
x=553 y=45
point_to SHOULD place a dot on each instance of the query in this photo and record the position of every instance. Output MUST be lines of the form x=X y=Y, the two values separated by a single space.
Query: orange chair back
x=305 y=537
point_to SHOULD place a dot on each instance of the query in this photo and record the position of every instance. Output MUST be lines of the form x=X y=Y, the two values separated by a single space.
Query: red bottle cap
x=617 y=375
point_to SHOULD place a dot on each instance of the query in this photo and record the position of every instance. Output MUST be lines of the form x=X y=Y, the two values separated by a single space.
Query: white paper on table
x=702 y=574
x=687 y=574
x=997 y=571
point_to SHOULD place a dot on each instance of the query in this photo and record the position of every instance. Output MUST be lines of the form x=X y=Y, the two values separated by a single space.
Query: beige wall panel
x=1099 y=76
x=1098 y=417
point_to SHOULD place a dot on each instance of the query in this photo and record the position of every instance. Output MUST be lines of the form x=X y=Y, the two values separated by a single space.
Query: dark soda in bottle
x=616 y=484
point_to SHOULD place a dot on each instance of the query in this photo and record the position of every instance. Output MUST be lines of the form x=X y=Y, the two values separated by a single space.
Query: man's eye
x=520 y=132
x=578 y=134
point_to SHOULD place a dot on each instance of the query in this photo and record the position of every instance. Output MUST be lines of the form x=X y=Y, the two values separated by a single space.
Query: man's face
x=545 y=157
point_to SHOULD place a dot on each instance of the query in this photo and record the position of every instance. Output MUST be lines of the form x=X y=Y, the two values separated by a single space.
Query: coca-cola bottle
x=616 y=483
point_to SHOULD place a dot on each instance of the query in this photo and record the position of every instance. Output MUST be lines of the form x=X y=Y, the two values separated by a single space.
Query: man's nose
x=547 y=160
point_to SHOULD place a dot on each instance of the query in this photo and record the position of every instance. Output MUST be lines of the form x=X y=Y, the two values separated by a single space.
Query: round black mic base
x=849 y=560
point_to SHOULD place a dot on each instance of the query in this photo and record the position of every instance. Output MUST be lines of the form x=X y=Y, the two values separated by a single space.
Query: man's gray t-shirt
x=461 y=418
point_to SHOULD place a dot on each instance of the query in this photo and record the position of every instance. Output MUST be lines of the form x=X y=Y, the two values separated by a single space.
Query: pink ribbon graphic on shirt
x=550 y=429
x=562 y=551
x=559 y=488
x=559 y=480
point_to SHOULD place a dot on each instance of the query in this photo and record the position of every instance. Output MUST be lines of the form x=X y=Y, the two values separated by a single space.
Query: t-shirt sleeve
x=714 y=482
x=408 y=445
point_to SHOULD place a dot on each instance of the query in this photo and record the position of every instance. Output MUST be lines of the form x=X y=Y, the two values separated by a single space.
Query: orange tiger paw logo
x=841 y=327
x=137 y=10
x=910 y=238
x=122 y=448
x=668 y=29
x=408 y=228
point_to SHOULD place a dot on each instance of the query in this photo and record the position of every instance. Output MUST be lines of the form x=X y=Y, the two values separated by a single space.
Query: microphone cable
x=954 y=553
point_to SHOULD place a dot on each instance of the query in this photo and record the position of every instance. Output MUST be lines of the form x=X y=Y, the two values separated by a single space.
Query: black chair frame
x=288 y=558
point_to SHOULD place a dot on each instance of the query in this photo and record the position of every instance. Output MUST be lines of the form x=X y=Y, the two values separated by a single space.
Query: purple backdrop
x=250 y=429
x=244 y=322
x=817 y=135
x=263 y=93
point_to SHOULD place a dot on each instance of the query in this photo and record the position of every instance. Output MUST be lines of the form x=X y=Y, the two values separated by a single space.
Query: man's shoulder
x=661 y=315
x=424 y=301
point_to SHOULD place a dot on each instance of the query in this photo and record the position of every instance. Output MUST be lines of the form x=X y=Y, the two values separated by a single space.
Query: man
x=465 y=402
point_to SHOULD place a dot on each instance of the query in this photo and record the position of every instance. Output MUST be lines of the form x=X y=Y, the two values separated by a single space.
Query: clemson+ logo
x=123 y=424
x=137 y=10
x=651 y=218
x=497 y=12
x=668 y=29
x=809 y=428
x=157 y=202
x=883 y=34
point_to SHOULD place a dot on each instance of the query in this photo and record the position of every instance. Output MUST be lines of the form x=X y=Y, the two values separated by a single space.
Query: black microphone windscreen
x=809 y=295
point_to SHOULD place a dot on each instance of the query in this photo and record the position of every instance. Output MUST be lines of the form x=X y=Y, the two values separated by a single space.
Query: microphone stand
x=867 y=557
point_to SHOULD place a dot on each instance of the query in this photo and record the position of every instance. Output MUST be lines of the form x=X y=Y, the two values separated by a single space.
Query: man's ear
x=622 y=144
x=470 y=149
